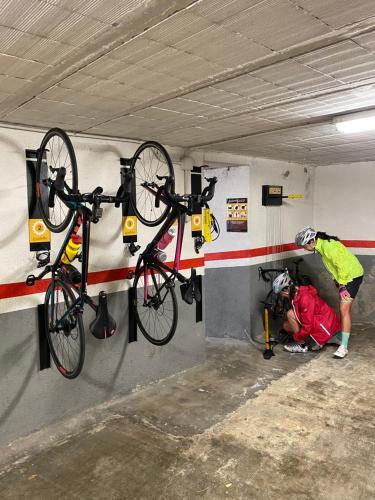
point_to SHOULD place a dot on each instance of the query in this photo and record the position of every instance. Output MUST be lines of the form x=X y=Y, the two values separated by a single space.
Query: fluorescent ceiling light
x=356 y=122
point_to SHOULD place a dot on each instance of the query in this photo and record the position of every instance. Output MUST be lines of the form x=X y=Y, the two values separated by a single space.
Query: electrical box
x=272 y=196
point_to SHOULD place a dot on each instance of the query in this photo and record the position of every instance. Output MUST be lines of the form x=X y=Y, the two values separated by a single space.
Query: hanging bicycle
x=155 y=303
x=60 y=200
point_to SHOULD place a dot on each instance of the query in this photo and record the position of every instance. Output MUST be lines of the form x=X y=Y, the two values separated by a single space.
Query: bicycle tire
x=278 y=305
x=150 y=159
x=144 y=314
x=62 y=341
x=56 y=150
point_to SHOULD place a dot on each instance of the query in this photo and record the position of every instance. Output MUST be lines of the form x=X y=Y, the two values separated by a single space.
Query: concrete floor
x=300 y=426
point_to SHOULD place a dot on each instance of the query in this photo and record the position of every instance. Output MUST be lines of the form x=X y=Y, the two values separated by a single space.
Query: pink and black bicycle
x=155 y=302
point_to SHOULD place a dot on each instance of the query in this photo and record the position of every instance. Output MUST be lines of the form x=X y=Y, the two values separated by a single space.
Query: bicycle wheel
x=149 y=161
x=156 y=314
x=278 y=305
x=56 y=150
x=65 y=334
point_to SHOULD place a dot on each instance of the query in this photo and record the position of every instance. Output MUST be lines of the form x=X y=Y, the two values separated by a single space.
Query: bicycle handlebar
x=265 y=273
x=94 y=198
x=207 y=193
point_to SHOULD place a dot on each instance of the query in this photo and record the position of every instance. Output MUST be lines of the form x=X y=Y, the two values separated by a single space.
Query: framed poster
x=237 y=215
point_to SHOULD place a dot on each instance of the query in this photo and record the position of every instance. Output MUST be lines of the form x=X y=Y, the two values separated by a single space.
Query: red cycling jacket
x=316 y=317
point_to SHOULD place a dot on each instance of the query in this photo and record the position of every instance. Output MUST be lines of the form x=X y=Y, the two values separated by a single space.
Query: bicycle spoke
x=56 y=151
x=151 y=160
x=157 y=316
x=64 y=330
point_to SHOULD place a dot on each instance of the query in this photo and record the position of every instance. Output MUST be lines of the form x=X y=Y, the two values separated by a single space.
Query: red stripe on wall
x=251 y=252
x=9 y=290
x=358 y=243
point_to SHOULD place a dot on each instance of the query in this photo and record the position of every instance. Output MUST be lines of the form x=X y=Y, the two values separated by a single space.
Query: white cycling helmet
x=304 y=236
x=281 y=281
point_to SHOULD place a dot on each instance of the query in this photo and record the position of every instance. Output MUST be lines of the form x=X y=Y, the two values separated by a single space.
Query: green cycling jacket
x=339 y=261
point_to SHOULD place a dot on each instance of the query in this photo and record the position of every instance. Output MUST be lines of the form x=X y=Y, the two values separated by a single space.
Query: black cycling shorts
x=353 y=286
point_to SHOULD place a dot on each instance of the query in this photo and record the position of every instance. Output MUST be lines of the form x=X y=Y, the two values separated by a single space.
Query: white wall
x=344 y=202
x=98 y=164
x=267 y=226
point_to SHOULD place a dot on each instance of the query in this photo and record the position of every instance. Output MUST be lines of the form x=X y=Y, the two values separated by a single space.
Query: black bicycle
x=155 y=302
x=275 y=306
x=56 y=151
x=60 y=201
x=67 y=292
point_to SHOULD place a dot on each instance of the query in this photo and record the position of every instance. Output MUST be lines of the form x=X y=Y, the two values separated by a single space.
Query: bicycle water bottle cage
x=190 y=290
x=104 y=325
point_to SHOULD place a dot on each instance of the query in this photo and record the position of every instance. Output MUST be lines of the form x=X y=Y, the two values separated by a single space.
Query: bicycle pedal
x=30 y=280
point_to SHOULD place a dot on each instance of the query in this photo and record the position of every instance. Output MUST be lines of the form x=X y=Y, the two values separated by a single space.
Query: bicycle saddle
x=104 y=325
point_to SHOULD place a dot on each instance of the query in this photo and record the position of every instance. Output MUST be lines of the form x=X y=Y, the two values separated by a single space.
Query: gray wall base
x=233 y=295
x=31 y=399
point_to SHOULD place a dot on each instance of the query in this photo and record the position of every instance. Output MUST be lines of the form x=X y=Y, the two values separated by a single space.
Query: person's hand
x=343 y=292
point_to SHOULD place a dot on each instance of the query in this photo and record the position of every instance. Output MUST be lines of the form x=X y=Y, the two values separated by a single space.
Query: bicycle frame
x=82 y=218
x=148 y=256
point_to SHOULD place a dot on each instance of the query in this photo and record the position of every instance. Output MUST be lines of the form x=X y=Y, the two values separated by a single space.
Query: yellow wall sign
x=196 y=222
x=38 y=231
x=129 y=225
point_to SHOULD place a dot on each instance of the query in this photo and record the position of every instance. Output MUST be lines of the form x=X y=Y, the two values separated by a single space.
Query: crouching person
x=311 y=321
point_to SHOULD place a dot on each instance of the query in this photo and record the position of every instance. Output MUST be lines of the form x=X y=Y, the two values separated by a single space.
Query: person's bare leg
x=291 y=324
x=345 y=317
x=346 y=325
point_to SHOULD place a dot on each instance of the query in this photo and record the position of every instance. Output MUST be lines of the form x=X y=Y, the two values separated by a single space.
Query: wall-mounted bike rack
x=39 y=242
x=44 y=351
x=39 y=234
x=196 y=188
x=129 y=236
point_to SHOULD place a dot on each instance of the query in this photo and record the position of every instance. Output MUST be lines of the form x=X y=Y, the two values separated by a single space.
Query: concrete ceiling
x=255 y=77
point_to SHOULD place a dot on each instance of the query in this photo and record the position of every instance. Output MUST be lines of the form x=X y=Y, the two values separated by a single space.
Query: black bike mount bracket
x=44 y=351
x=190 y=290
x=132 y=321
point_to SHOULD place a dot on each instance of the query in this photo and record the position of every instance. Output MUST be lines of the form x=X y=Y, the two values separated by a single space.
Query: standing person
x=310 y=321
x=345 y=269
